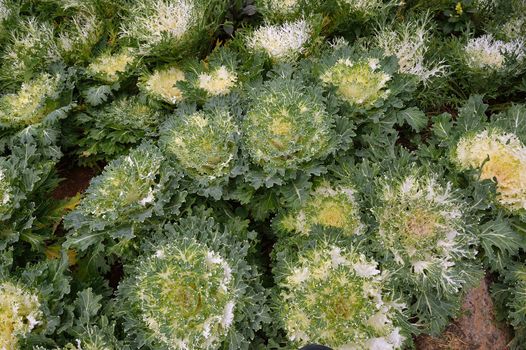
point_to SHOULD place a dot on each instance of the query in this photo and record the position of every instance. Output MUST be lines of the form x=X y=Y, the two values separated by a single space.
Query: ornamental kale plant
x=424 y=237
x=204 y=145
x=352 y=312
x=261 y=174
x=193 y=289
x=130 y=190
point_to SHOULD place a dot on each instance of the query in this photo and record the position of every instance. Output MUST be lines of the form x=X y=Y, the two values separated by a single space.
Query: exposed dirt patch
x=476 y=330
x=76 y=180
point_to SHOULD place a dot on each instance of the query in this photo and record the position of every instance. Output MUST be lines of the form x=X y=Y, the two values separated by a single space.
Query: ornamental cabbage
x=501 y=157
x=327 y=206
x=423 y=236
x=220 y=81
x=19 y=314
x=333 y=296
x=31 y=48
x=360 y=83
x=110 y=131
x=486 y=52
x=409 y=42
x=171 y=26
x=32 y=103
x=204 y=144
x=285 y=42
x=287 y=126
x=109 y=68
x=192 y=289
x=161 y=84
x=131 y=189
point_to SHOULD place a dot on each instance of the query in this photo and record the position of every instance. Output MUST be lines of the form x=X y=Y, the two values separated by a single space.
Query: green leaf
x=473 y=114
x=414 y=117
x=88 y=305
x=96 y=95
x=442 y=125
x=500 y=242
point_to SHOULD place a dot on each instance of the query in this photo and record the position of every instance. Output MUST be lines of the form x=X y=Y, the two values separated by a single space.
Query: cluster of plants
x=271 y=173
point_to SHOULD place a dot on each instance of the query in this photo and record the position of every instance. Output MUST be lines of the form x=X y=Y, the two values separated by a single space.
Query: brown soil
x=476 y=330
x=76 y=180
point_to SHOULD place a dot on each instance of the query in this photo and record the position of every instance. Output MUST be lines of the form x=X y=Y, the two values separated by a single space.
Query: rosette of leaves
x=32 y=304
x=327 y=206
x=331 y=295
x=216 y=76
x=38 y=103
x=498 y=150
x=372 y=92
x=285 y=42
x=164 y=84
x=366 y=82
x=482 y=151
x=488 y=149
x=172 y=29
x=30 y=49
x=192 y=288
x=112 y=67
x=204 y=145
x=409 y=41
x=289 y=129
x=107 y=73
x=487 y=65
x=423 y=235
x=110 y=131
x=131 y=189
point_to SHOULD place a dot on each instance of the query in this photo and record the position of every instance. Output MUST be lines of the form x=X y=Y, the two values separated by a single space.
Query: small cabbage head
x=486 y=52
x=420 y=221
x=501 y=157
x=31 y=103
x=360 y=83
x=19 y=314
x=172 y=27
x=109 y=68
x=286 y=126
x=218 y=82
x=185 y=293
x=161 y=84
x=425 y=239
x=281 y=42
x=204 y=142
x=333 y=296
x=327 y=206
x=125 y=191
x=152 y=21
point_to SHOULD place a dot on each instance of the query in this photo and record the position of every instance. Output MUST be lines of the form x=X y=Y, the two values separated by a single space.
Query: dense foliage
x=263 y=174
